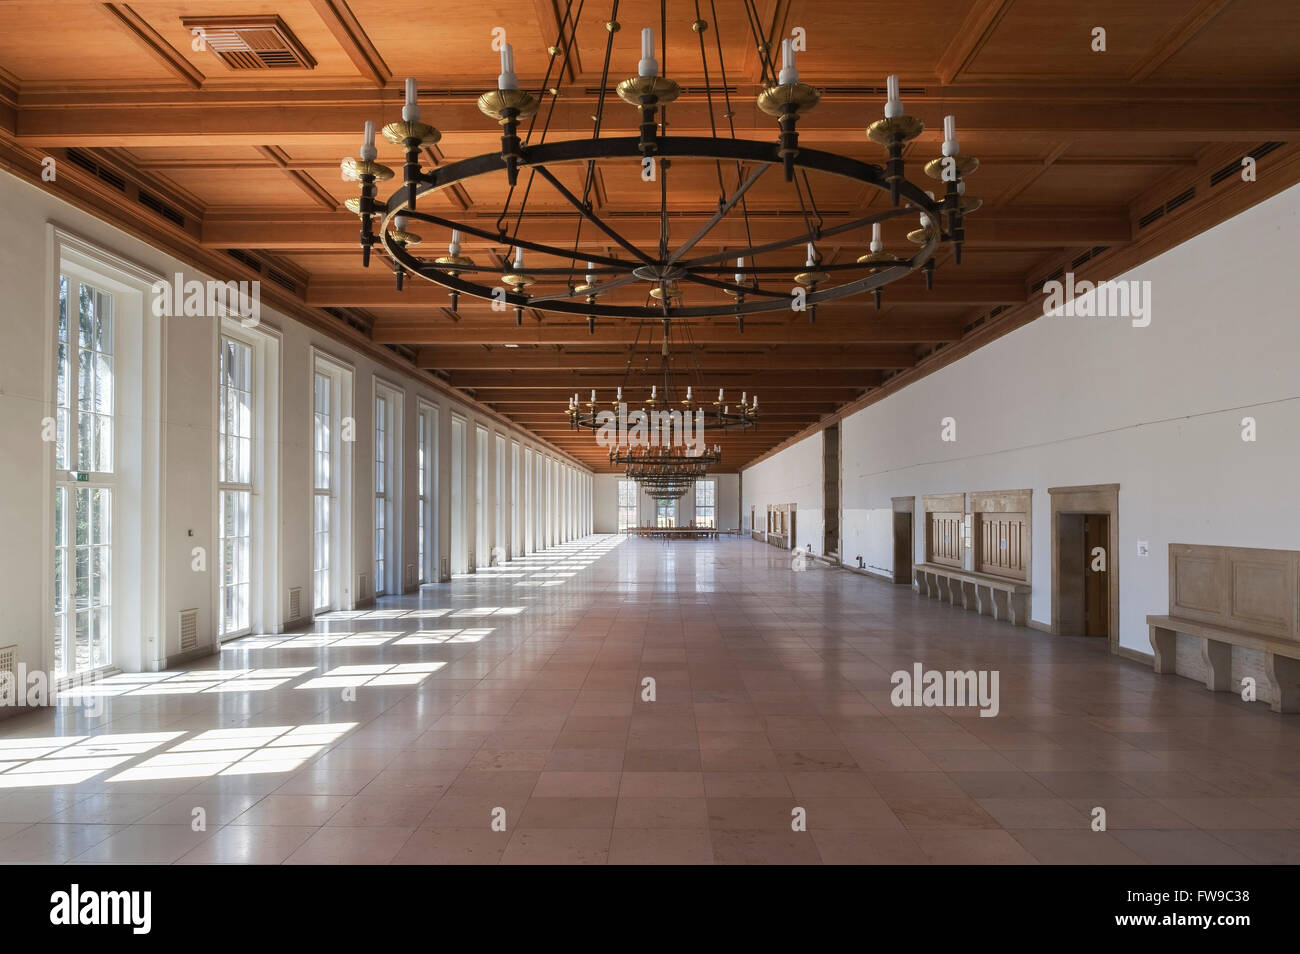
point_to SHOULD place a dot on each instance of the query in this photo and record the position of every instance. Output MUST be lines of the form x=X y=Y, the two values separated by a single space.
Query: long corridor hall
x=505 y=718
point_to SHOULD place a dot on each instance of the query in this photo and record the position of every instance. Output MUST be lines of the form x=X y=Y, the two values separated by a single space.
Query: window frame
x=626 y=510
x=711 y=506
x=140 y=638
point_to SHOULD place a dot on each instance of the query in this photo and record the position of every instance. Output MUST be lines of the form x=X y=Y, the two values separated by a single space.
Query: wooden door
x=1096 y=574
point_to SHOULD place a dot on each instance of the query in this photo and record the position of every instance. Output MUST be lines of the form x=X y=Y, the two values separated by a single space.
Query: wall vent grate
x=189 y=629
x=295 y=604
x=9 y=670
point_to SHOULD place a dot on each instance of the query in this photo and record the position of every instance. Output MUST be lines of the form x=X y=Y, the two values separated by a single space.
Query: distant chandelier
x=664 y=473
x=584 y=278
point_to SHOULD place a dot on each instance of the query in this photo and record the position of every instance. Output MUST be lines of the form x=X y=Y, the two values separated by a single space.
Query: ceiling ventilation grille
x=151 y=201
x=244 y=258
x=1234 y=168
x=281 y=279
x=251 y=43
x=88 y=162
x=879 y=91
x=1161 y=210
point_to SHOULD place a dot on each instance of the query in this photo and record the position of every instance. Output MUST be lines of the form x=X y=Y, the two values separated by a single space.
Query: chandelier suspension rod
x=767 y=69
x=597 y=121
x=731 y=123
x=532 y=124
x=700 y=26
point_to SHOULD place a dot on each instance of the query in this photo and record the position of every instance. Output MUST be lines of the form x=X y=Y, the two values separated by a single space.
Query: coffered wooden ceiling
x=1091 y=161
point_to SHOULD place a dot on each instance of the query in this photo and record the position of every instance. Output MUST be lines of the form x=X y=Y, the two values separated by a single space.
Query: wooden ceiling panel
x=860 y=42
x=248 y=186
x=1050 y=39
x=34 y=46
x=1111 y=185
x=1246 y=41
x=449 y=45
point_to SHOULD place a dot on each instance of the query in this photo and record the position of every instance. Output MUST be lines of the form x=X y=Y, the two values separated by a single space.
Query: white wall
x=792 y=476
x=1066 y=401
x=188 y=432
x=606 y=505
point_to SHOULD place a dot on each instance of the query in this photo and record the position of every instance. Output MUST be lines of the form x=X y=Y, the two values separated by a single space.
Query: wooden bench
x=987 y=595
x=1281 y=659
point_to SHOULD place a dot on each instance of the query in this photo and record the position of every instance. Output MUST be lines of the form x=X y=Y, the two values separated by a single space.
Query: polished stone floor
x=514 y=699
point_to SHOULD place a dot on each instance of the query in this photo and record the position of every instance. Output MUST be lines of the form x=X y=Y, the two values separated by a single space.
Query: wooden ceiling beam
x=351 y=36
x=557 y=396
x=153 y=42
x=787 y=357
x=1008 y=227
x=740 y=379
x=381 y=292
x=862 y=327
x=209 y=118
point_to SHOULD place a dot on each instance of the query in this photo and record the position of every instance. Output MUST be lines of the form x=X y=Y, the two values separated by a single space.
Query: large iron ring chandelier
x=587 y=275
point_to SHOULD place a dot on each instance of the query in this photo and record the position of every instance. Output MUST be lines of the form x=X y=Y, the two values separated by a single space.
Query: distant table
x=675 y=533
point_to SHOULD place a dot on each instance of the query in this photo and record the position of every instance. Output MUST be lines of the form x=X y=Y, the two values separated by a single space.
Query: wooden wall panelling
x=1002 y=533
x=944 y=518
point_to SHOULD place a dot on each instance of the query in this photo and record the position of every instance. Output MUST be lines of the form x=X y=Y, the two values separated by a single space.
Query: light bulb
x=648 y=66
x=368 y=151
x=411 y=111
x=740 y=276
x=812 y=255
x=950 y=145
x=507 y=80
x=400 y=222
x=877 y=244
x=519 y=257
x=789 y=73
x=453 y=247
x=893 y=103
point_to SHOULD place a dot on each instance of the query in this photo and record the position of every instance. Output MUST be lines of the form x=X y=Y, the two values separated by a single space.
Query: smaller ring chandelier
x=718 y=414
